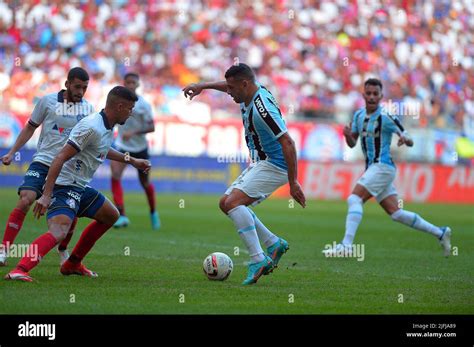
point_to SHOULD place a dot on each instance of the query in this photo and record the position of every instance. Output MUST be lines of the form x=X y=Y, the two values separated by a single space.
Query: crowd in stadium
x=314 y=59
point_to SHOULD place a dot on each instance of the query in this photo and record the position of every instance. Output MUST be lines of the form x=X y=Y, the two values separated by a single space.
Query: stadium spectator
x=313 y=56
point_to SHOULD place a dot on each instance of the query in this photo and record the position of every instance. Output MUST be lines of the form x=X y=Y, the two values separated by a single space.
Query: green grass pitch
x=403 y=272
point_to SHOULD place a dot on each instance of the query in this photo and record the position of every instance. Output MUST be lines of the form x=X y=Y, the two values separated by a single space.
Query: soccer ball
x=217 y=266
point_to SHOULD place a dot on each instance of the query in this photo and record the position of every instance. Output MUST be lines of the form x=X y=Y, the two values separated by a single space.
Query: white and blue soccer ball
x=217 y=266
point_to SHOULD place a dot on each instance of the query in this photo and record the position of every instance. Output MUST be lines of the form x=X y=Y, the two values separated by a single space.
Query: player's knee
x=222 y=204
x=114 y=215
x=230 y=204
x=59 y=228
x=110 y=217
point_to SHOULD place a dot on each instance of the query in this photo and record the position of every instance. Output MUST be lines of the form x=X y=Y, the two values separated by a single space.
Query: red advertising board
x=414 y=182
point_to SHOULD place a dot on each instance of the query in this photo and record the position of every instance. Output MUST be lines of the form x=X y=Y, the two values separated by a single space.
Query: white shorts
x=378 y=180
x=259 y=180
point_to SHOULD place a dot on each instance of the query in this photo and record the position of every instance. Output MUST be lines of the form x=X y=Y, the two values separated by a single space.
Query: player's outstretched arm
x=42 y=203
x=25 y=135
x=194 y=89
x=289 y=152
x=141 y=164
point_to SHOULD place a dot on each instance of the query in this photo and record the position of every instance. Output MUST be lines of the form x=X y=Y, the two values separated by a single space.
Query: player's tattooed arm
x=289 y=152
x=43 y=202
x=195 y=89
x=25 y=135
x=141 y=164
x=351 y=138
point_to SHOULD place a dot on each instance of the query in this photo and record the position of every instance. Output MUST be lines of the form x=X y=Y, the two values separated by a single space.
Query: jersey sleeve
x=393 y=124
x=39 y=113
x=82 y=135
x=355 y=122
x=269 y=116
x=147 y=115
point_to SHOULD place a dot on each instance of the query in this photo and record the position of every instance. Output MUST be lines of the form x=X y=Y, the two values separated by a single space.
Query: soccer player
x=274 y=163
x=58 y=113
x=70 y=172
x=132 y=139
x=375 y=127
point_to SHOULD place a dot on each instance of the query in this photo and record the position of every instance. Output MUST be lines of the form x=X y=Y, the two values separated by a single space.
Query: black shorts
x=139 y=155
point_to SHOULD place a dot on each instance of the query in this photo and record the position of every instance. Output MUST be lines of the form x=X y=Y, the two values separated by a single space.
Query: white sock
x=245 y=225
x=353 y=219
x=415 y=221
x=265 y=235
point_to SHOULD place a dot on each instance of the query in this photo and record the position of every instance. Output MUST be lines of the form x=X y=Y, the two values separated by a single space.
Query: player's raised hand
x=191 y=90
x=142 y=164
x=297 y=193
x=7 y=159
x=41 y=206
x=405 y=140
x=347 y=131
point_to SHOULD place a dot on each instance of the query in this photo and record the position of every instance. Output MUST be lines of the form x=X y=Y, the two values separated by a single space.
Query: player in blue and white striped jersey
x=375 y=126
x=274 y=163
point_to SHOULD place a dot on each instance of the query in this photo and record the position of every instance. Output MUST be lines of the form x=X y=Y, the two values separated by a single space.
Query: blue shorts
x=66 y=200
x=91 y=202
x=35 y=178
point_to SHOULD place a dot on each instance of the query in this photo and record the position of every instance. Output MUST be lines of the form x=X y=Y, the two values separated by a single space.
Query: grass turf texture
x=162 y=265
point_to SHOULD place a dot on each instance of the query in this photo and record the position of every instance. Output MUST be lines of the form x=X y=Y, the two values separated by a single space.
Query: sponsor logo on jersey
x=83 y=136
x=32 y=173
x=74 y=195
x=260 y=107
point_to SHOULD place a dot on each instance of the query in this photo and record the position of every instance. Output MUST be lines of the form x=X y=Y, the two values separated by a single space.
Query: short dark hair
x=373 y=82
x=79 y=73
x=122 y=93
x=131 y=74
x=240 y=71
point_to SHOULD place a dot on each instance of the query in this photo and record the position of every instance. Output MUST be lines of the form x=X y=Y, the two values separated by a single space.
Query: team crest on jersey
x=61 y=130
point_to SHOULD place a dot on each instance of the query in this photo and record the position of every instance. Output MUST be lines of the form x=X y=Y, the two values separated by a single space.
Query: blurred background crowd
x=312 y=55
